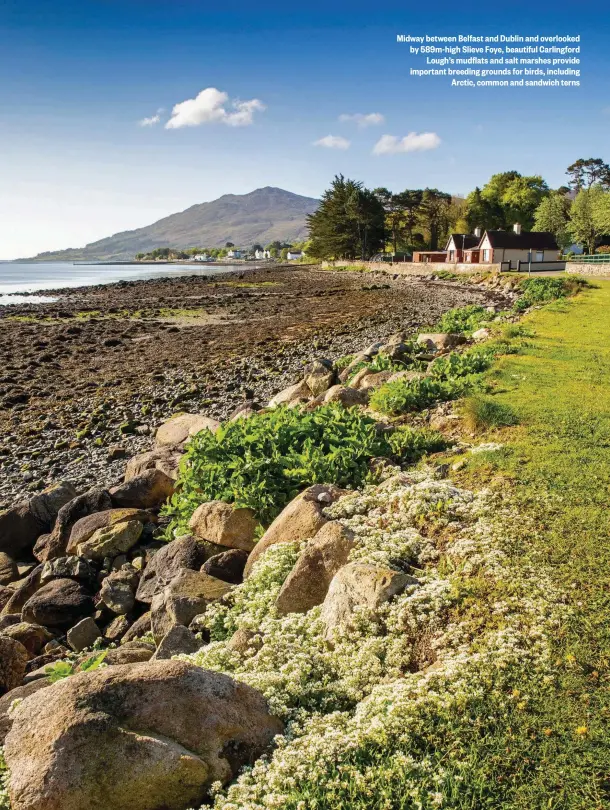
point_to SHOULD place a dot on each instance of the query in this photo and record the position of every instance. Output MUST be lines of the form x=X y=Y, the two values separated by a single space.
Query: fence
x=591 y=258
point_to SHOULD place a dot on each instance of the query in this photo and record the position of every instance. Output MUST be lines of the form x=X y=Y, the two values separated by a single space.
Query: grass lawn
x=556 y=467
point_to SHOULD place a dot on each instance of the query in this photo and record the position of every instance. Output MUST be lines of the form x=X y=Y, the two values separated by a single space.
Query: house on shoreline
x=510 y=249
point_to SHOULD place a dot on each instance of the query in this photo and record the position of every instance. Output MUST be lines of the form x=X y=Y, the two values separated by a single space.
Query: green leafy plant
x=463 y=320
x=409 y=445
x=265 y=461
x=541 y=290
x=63 y=669
x=402 y=396
x=461 y=364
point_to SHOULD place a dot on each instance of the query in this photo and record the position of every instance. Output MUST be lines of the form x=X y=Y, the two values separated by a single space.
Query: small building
x=294 y=254
x=262 y=254
x=427 y=256
x=234 y=254
x=516 y=248
x=460 y=242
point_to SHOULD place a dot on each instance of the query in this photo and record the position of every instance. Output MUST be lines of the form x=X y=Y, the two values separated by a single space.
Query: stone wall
x=586 y=269
x=417 y=268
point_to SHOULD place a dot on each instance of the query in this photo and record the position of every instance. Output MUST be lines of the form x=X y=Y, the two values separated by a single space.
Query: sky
x=115 y=113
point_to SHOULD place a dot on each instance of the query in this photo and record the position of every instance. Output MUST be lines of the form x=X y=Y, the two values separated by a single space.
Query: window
x=486 y=254
x=538 y=256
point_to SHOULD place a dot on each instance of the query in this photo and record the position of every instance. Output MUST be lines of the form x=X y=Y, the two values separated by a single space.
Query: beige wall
x=417 y=268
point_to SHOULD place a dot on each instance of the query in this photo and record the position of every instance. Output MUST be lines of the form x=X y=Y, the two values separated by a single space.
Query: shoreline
x=87 y=379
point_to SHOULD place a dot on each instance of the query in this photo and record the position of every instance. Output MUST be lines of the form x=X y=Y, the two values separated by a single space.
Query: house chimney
x=517 y=227
x=477 y=233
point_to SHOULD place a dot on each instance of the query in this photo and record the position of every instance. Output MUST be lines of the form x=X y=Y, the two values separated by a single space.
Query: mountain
x=261 y=216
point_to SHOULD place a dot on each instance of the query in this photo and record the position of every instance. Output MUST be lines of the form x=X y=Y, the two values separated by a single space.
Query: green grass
x=555 y=467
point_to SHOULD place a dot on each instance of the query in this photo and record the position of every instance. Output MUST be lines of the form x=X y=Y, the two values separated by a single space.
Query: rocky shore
x=86 y=380
x=94 y=600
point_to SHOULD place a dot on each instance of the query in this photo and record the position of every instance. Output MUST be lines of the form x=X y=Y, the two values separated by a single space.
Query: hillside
x=263 y=215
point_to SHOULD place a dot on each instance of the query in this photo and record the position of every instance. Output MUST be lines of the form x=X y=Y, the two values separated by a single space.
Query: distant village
x=230 y=252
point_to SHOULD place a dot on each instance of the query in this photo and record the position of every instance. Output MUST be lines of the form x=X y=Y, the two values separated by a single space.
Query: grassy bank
x=555 y=468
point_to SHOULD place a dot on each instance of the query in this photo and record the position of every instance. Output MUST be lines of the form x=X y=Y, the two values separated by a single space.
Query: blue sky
x=78 y=77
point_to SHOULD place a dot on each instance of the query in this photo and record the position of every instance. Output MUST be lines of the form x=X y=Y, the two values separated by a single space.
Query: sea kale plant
x=265 y=461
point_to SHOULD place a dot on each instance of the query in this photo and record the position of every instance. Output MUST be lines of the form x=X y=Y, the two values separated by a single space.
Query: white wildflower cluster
x=415 y=669
x=486 y=447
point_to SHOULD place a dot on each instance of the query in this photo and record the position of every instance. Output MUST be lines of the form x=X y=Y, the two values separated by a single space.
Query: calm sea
x=38 y=277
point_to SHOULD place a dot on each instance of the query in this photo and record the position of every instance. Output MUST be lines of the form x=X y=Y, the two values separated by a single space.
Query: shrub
x=463 y=319
x=482 y=413
x=265 y=461
x=403 y=396
x=542 y=290
x=461 y=364
x=409 y=445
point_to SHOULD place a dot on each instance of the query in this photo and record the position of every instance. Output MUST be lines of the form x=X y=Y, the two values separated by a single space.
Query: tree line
x=356 y=223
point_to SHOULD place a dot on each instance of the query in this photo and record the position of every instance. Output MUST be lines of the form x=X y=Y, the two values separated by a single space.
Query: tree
x=229 y=245
x=601 y=212
x=434 y=215
x=586 y=173
x=348 y=224
x=255 y=247
x=553 y=215
x=511 y=198
x=478 y=212
x=585 y=216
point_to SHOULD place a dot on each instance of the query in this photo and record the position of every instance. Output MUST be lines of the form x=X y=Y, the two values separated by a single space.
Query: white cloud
x=213 y=106
x=413 y=142
x=150 y=122
x=364 y=120
x=333 y=142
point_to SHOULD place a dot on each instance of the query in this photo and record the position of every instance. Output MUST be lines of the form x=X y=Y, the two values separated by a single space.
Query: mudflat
x=85 y=381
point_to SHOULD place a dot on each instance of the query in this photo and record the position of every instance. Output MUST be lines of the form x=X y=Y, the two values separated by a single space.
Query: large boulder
x=149 y=490
x=84 y=634
x=23 y=591
x=301 y=520
x=111 y=541
x=177 y=430
x=133 y=652
x=188 y=594
x=348 y=397
x=184 y=552
x=223 y=524
x=83 y=529
x=307 y=584
x=13 y=660
x=437 y=342
x=51 y=546
x=299 y=392
x=59 y=604
x=228 y=566
x=21 y=525
x=165 y=459
x=7 y=701
x=118 y=591
x=153 y=735
x=71 y=567
x=140 y=627
x=319 y=376
x=360 y=585
x=8 y=569
x=179 y=641
x=32 y=636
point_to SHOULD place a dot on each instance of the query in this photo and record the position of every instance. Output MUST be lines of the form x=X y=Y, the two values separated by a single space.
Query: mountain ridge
x=263 y=215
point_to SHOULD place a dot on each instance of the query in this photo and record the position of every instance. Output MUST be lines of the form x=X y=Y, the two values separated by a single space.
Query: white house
x=234 y=254
x=262 y=254
x=294 y=254
x=514 y=246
